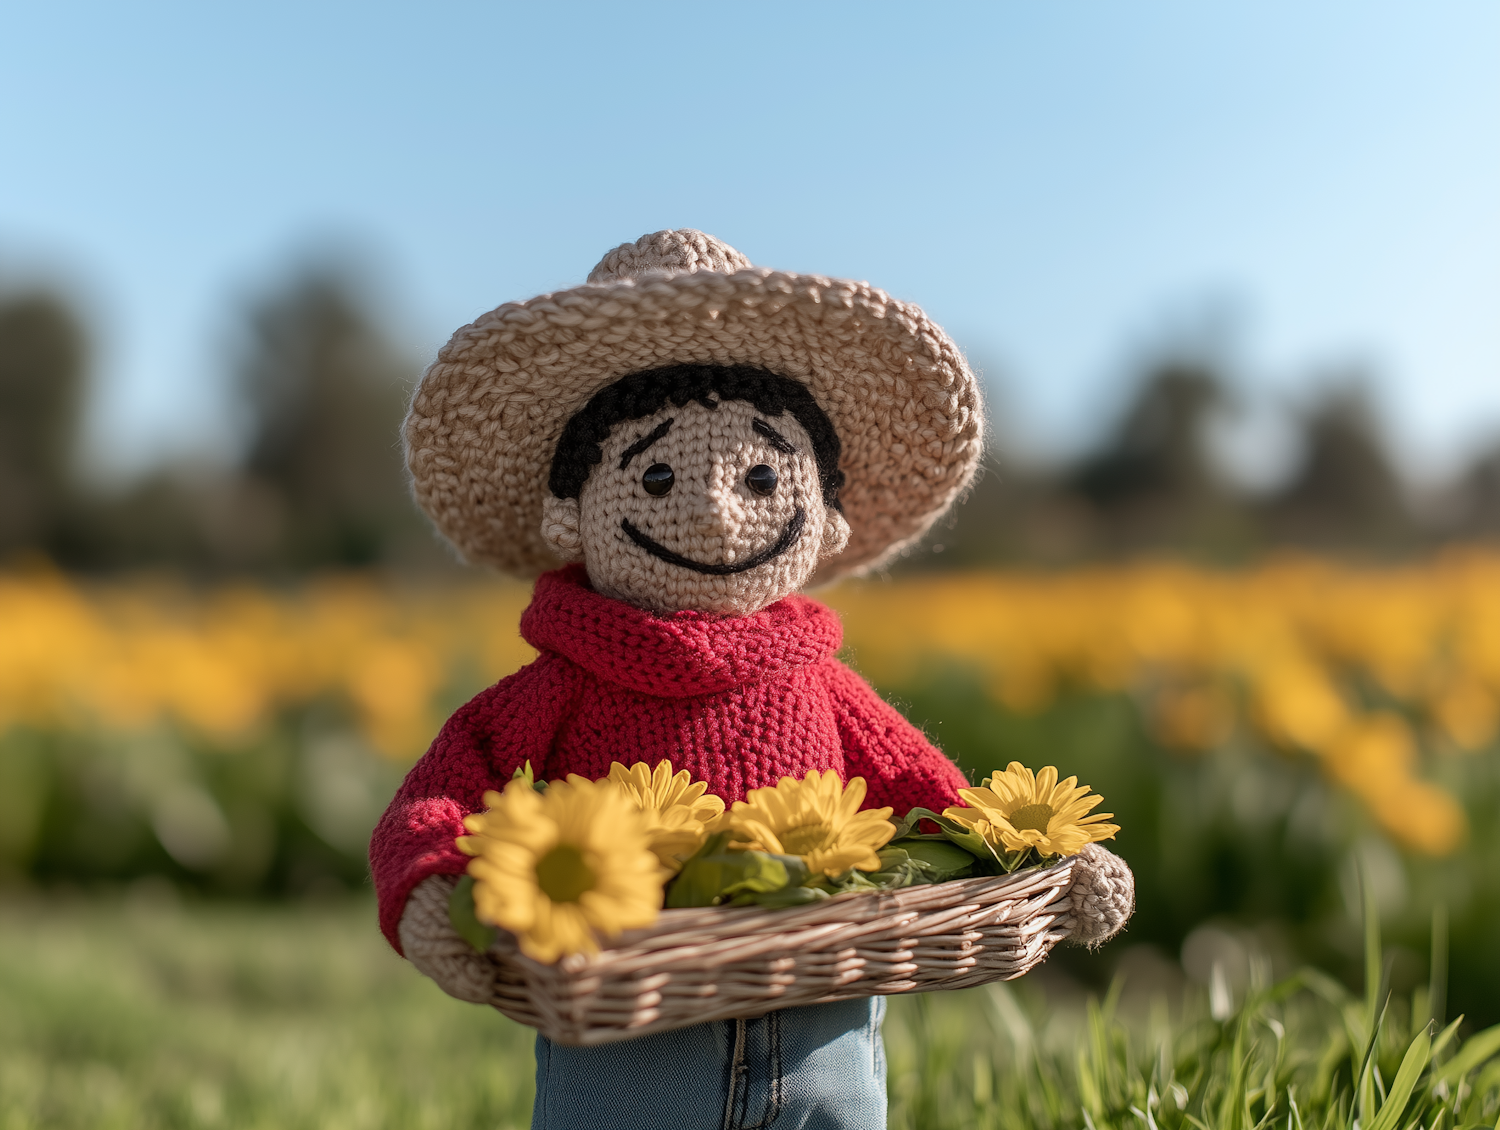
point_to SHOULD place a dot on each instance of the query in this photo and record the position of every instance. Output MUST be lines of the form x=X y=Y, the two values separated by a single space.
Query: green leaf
x=848 y=881
x=1412 y=1066
x=796 y=869
x=525 y=774
x=941 y=860
x=971 y=842
x=751 y=872
x=987 y=857
x=1013 y=860
x=897 y=869
x=461 y=915
x=714 y=875
x=908 y=824
x=900 y=868
x=785 y=897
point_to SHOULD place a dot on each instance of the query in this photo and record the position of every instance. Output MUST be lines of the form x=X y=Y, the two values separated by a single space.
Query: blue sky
x=1062 y=185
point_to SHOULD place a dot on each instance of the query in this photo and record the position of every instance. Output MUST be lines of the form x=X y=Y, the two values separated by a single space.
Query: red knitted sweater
x=738 y=701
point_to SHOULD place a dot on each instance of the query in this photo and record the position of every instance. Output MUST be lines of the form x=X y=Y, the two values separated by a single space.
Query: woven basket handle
x=1103 y=897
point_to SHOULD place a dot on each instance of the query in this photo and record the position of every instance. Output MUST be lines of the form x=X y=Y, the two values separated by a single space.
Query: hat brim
x=487 y=415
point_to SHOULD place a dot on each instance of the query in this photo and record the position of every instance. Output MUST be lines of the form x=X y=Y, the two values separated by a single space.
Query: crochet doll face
x=712 y=508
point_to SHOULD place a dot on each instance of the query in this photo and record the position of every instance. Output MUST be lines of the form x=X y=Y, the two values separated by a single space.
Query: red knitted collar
x=681 y=654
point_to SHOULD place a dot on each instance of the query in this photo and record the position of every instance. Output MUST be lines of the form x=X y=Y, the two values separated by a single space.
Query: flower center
x=805 y=839
x=1035 y=817
x=563 y=875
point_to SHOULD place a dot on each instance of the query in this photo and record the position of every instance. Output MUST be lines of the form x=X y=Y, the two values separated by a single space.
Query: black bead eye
x=658 y=479
x=761 y=479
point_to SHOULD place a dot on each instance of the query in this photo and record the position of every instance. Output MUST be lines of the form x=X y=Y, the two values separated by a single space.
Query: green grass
x=1297 y=1055
x=121 y=1014
x=143 y=1012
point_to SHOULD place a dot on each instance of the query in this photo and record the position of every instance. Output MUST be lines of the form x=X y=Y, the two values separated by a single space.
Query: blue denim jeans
x=815 y=1068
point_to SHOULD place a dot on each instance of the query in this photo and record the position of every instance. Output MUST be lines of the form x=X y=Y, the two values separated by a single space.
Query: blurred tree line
x=319 y=482
x=1155 y=483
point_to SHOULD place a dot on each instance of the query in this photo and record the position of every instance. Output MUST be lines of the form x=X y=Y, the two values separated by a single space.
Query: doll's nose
x=710 y=515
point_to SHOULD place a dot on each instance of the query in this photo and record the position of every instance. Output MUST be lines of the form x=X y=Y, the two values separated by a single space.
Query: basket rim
x=873 y=906
x=701 y=964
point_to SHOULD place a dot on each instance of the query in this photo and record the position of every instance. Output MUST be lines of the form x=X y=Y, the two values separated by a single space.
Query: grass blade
x=1440 y=1044
x=1475 y=1051
x=1373 y=968
x=1437 y=981
x=1412 y=1066
x=1315 y=980
x=1365 y=1097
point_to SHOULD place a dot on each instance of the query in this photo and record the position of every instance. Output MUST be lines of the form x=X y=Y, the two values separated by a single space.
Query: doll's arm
x=902 y=768
x=479 y=748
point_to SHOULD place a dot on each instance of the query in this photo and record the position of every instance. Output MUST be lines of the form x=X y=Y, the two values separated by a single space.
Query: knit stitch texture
x=737 y=701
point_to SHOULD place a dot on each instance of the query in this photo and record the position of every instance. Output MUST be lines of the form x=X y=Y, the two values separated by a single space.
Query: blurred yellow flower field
x=1361 y=668
x=1371 y=671
x=223 y=661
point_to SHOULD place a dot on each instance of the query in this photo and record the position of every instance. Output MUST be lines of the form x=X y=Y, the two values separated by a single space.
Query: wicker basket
x=708 y=964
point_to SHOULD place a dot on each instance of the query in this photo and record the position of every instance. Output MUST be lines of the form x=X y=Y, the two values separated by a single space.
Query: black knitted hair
x=643 y=394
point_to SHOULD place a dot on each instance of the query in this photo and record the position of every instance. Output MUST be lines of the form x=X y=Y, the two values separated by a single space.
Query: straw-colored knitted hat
x=487 y=416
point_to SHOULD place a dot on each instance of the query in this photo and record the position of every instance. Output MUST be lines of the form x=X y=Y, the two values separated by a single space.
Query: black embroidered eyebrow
x=644 y=442
x=775 y=438
x=641 y=395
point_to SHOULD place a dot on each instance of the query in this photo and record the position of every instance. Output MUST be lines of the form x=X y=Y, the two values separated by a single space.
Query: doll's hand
x=434 y=947
x=1103 y=896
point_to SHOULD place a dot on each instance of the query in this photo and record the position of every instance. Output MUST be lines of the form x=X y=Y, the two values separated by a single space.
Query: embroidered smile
x=788 y=538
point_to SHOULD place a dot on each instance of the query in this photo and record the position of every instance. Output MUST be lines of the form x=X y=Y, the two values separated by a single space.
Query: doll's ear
x=560 y=527
x=835 y=533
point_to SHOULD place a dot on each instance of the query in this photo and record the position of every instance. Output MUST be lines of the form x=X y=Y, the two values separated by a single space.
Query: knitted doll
x=691 y=439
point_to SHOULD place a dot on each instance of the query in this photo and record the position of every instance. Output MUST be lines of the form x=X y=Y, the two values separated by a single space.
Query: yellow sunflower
x=678 y=809
x=1017 y=810
x=817 y=818
x=560 y=869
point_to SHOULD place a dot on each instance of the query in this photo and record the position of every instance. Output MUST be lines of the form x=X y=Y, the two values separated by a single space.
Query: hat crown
x=678 y=252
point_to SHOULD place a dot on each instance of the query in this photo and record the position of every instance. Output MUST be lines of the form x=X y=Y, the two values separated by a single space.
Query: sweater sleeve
x=902 y=768
x=479 y=748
